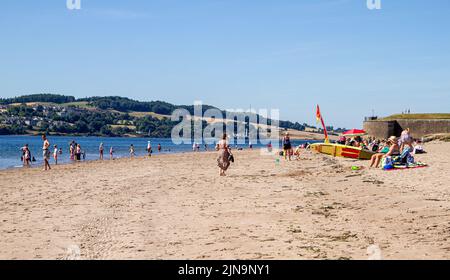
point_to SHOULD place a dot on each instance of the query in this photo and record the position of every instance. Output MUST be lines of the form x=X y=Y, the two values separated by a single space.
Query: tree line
x=100 y=121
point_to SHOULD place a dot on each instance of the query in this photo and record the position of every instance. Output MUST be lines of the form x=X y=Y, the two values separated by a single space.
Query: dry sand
x=177 y=207
x=304 y=135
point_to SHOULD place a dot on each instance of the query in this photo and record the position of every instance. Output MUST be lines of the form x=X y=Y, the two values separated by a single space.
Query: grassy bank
x=417 y=117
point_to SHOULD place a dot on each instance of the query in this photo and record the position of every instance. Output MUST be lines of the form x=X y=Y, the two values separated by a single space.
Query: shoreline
x=296 y=135
x=106 y=159
x=11 y=161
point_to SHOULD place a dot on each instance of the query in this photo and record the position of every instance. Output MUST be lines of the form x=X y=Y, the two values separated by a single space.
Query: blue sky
x=285 y=54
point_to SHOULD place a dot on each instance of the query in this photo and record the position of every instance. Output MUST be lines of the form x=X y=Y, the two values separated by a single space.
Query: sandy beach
x=177 y=207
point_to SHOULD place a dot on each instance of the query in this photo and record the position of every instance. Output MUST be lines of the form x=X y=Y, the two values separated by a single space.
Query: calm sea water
x=10 y=147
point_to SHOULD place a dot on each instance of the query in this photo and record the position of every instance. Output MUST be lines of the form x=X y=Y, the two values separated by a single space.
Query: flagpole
x=325 y=131
x=319 y=117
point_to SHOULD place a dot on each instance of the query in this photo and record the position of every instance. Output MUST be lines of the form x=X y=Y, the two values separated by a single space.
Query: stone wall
x=419 y=128
x=381 y=129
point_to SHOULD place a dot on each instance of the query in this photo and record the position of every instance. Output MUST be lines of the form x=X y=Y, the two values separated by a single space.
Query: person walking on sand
x=223 y=161
x=287 y=147
x=55 y=154
x=46 y=152
x=100 y=151
x=159 y=148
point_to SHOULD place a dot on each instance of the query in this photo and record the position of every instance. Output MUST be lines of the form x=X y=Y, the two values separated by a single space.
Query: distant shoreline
x=106 y=159
x=10 y=149
x=295 y=135
x=82 y=135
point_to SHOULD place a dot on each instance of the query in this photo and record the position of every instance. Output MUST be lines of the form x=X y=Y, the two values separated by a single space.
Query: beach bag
x=231 y=158
x=387 y=163
x=419 y=150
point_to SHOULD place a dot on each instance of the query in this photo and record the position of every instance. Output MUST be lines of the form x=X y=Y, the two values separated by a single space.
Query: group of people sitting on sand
x=377 y=145
x=403 y=147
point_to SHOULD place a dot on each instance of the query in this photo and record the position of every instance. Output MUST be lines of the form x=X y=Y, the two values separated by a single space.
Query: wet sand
x=177 y=207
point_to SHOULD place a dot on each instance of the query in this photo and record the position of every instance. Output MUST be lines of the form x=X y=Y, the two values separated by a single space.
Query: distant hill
x=121 y=104
x=107 y=116
x=44 y=97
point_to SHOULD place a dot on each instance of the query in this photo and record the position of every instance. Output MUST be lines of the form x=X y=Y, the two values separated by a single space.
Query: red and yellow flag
x=320 y=119
x=318 y=115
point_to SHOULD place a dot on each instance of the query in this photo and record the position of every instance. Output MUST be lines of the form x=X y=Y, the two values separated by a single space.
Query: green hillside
x=417 y=116
x=100 y=116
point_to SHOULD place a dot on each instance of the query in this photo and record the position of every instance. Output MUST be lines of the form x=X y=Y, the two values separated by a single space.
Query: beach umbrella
x=354 y=132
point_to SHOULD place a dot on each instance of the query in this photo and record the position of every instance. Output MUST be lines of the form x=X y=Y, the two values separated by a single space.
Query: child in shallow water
x=132 y=153
x=26 y=156
x=55 y=154
x=78 y=152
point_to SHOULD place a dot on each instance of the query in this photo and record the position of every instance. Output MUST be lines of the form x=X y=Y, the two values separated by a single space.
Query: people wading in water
x=101 y=150
x=46 y=152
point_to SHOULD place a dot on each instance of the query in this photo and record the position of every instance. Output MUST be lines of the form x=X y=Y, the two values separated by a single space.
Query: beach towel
x=403 y=161
x=404 y=167
x=415 y=165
